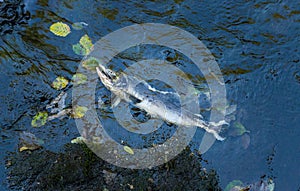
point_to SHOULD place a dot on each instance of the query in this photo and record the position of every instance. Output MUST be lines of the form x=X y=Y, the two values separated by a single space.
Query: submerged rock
x=77 y=168
x=28 y=141
x=12 y=14
x=262 y=185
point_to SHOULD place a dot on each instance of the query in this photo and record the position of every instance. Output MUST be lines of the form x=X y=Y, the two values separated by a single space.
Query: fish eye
x=111 y=74
x=114 y=77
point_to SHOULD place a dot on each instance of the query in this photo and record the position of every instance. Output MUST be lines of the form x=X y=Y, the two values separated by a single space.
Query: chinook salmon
x=155 y=102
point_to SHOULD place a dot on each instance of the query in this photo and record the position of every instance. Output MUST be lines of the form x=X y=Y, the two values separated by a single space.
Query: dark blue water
x=256 y=44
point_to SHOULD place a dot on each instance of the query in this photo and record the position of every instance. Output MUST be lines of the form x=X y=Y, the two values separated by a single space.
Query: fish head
x=108 y=77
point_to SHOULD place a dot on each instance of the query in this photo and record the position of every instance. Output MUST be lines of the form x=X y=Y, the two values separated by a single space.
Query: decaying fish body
x=157 y=103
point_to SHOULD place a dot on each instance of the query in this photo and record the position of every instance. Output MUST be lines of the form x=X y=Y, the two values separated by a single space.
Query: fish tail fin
x=218 y=137
x=212 y=127
x=215 y=127
x=222 y=122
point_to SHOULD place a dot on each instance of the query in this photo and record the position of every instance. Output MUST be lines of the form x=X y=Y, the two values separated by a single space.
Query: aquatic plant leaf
x=39 y=119
x=78 y=79
x=59 y=83
x=78 y=140
x=91 y=64
x=84 y=46
x=79 y=111
x=128 y=150
x=79 y=25
x=238 y=129
x=86 y=43
x=24 y=148
x=79 y=50
x=60 y=29
x=233 y=184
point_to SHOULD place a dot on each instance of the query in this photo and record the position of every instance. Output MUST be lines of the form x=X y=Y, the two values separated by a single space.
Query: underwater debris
x=29 y=141
x=79 y=25
x=58 y=103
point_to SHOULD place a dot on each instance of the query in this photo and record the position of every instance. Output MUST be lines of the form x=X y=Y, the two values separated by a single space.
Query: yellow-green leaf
x=60 y=29
x=239 y=129
x=79 y=111
x=84 y=46
x=59 y=83
x=78 y=79
x=86 y=43
x=128 y=150
x=91 y=64
x=78 y=140
x=39 y=119
x=79 y=50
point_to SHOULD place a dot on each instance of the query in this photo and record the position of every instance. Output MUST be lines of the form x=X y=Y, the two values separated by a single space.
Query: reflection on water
x=255 y=44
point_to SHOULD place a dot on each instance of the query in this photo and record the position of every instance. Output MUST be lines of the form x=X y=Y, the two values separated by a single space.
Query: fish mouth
x=107 y=76
x=102 y=71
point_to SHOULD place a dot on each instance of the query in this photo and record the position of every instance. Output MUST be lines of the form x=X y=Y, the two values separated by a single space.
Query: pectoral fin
x=134 y=100
x=115 y=100
x=199 y=115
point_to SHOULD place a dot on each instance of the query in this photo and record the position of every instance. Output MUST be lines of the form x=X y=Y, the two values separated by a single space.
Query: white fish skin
x=124 y=87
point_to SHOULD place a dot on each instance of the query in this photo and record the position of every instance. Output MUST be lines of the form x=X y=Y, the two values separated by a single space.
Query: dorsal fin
x=115 y=100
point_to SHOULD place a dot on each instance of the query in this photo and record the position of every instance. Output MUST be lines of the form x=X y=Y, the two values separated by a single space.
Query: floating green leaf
x=79 y=25
x=39 y=119
x=128 y=150
x=86 y=42
x=234 y=184
x=79 y=111
x=78 y=79
x=79 y=50
x=59 y=83
x=238 y=129
x=91 y=64
x=84 y=46
x=60 y=29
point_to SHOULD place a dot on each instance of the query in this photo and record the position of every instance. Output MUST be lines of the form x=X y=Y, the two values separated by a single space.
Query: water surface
x=256 y=45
